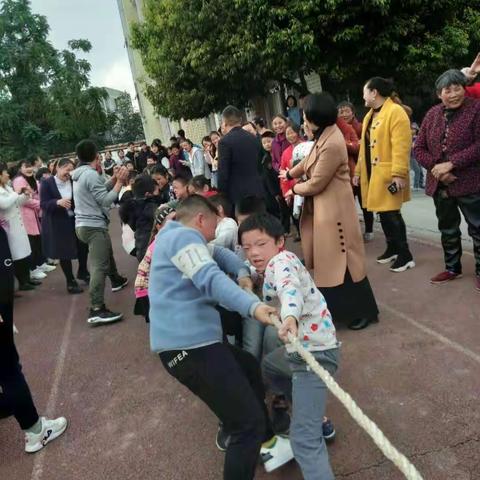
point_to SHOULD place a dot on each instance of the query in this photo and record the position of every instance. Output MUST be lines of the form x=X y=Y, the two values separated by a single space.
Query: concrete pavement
x=416 y=374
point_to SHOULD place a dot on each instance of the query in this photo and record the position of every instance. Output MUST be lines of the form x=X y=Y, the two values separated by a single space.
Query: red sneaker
x=444 y=277
x=477 y=282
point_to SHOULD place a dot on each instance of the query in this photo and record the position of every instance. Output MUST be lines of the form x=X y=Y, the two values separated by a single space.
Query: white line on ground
x=429 y=331
x=37 y=470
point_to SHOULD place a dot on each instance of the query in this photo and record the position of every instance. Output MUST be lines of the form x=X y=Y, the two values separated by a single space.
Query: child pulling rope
x=382 y=442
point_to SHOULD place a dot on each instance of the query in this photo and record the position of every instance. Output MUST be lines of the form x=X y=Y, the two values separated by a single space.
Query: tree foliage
x=46 y=101
x=202 y=54
x=127 y=123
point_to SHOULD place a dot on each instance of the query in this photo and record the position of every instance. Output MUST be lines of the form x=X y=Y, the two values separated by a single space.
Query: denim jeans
x=289 y=375
x=259 y=339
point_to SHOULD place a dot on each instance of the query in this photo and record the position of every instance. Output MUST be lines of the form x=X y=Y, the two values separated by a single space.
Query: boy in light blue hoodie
x=187 y=279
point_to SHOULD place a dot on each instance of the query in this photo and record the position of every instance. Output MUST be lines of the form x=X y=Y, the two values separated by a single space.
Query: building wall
x=131 y=11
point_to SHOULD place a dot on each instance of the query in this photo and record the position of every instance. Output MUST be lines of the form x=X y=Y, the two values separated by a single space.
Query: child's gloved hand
x=246 y=283
x=263 y=312
x=289 y=325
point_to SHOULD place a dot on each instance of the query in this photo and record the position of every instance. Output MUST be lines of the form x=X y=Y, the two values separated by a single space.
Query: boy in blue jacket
x=187 y=279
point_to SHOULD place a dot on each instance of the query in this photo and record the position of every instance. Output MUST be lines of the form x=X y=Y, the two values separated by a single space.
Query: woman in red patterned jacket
x=448 y=146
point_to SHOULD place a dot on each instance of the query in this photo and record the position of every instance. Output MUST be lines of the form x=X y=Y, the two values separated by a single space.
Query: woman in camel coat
x=331 y=237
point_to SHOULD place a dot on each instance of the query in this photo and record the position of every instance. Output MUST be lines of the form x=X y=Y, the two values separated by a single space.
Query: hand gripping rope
x=382 y=442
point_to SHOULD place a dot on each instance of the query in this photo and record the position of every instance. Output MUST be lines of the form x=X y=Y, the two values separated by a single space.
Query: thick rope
x=382 y=442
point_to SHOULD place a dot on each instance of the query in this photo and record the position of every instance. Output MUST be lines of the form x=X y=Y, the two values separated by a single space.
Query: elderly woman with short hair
x=448 y=146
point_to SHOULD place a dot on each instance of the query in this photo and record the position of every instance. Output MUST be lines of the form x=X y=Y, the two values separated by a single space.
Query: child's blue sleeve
x=229 y=262
x=192 y=257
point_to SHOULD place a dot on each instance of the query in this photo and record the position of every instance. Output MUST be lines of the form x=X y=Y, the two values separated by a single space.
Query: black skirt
x=351 y=301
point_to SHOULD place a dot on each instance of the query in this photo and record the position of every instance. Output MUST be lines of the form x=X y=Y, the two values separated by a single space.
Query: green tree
x=201 y=55
x=127 y=125
x=46 y=103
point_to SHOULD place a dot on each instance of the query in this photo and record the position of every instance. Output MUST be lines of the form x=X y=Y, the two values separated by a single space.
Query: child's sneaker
x=118 y=282
x=328 y=430
x=51 y=429
x=277 y=455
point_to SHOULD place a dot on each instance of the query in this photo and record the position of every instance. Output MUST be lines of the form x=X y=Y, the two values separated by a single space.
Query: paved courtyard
x=416 y=374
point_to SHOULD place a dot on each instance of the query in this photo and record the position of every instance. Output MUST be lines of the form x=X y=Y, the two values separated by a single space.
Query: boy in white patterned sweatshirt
x=304 y=313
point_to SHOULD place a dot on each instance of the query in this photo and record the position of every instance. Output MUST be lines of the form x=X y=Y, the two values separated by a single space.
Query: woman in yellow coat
x=332 y=240
x=383 y=168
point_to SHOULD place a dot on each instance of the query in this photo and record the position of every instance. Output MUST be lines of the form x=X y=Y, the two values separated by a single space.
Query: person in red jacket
x=472 y=89
x=294 y=138
x=351 y=129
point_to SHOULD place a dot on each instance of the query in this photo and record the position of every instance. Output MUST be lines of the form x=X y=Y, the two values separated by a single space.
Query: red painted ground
x=129 y=420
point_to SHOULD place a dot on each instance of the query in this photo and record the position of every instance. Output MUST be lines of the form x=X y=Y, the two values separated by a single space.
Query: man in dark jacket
x=238 y=152
x=139 y=212
x=15 y=396
x=141 y=158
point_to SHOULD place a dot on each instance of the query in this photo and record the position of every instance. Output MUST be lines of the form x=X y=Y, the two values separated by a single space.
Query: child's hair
x=160 y=170
x=129 y=162
x=142 y=185
x=199 y=182
x=295 y=127
x=86 y=151
x=161 y=213
x=268 y=134
x=192 y=205
x=220 y=200
x=265 y=223
x=250 y=205
x=181 y=179
x=41 y=172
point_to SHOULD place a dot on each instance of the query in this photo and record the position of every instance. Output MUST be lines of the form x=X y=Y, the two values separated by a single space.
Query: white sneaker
x=45 y=268
x=51 y=429
x=280 y=454
x=37 y=274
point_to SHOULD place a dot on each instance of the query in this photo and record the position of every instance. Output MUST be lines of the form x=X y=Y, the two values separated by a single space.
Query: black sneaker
x=388 y=256
x=280 y=416
x=74 y=288
x=26 y=286
x=103 y=315
x=118 y=283
x=84 y=277
x=402 y=263
x=222 y=439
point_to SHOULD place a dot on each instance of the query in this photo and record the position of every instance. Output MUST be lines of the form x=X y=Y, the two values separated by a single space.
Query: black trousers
x=395 y=232
x=229 y=381
x=36 y=257
x=66 y=265
x=22 y=270
x=448 y=214
x=15 y=398
x=367 y=216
